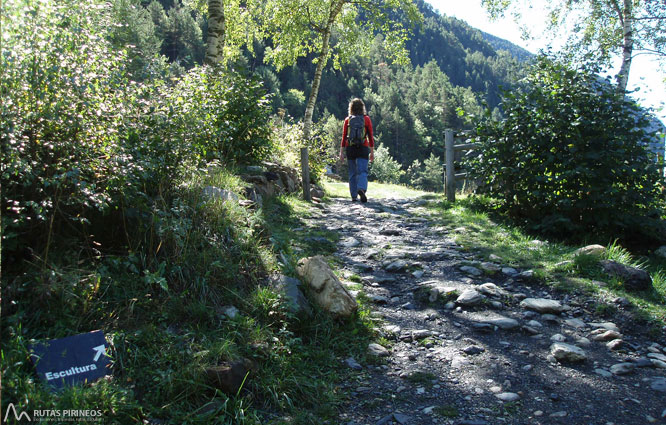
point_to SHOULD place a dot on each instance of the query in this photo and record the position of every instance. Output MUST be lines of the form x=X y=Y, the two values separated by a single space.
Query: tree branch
x=314 y=26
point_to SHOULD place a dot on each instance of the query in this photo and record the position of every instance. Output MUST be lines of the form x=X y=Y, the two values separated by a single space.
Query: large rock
x=542 y=305
x=269 y=180
x=634 y=278
x=290 y=289
x=492 y=290
x=592 y=250
x=229 y=377
x=328 y=291
x=215 y=193
x=567 y=352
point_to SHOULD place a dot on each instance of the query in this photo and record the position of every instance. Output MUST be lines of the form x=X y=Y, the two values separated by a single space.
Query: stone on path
x=378 y=350
x=471 y=270
x=558 y=338
x=659 y=385
x=509 y=271
x=622 y=368
x=504 y=323
x=394 y=418
x=328 y=291
x=575 y=323
x=658 y=364
x=615 y=344
x=491 y=290
x=605 y=325
x=421 y=334
x=603 y=372
x=657 y=356
x=470 y=297
x=567 y=352
x=350 y=242
x=473 y=350
x=490 y=268
x=604 y=335
x=396 y=266
x=389 y=232
x=353 y=364
x=542 y=305
x=508 y=397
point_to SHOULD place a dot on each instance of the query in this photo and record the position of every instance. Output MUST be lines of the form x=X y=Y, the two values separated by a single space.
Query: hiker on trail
x=357 y=138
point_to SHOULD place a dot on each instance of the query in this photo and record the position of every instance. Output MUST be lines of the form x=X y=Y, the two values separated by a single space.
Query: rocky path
x=481 y=343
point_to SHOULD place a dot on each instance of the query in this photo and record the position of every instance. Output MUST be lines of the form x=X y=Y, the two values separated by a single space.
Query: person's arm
x=344 y=139
x=371 y=138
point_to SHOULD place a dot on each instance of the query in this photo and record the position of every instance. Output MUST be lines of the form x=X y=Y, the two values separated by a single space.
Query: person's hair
x=357 y=107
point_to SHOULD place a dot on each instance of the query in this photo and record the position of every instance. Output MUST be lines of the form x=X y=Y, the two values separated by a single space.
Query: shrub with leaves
x=570 y=156
x=78 y=136
x=384 y=168
x=64 y=96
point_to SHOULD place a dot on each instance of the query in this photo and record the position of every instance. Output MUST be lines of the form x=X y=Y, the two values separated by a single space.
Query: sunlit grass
x=376 y=190
x=552 y=262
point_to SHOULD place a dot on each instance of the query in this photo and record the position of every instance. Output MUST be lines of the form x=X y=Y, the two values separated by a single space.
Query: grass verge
x=160 y=300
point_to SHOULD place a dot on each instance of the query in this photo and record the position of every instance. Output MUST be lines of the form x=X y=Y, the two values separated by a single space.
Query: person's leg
x=362 y=171
x=353 y=177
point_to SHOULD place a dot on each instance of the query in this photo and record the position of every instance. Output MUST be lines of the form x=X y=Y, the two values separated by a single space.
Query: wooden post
x=305 y=171
x=450 y=185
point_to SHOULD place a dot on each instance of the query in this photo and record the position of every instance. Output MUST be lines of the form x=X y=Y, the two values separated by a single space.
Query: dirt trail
x=485 y=358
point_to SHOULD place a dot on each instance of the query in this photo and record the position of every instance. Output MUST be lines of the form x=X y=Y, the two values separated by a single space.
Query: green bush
x=384 y=168
x=82 y=144
x=428 y=176
x=64 y=98
x=569 y=158
x=219 y=115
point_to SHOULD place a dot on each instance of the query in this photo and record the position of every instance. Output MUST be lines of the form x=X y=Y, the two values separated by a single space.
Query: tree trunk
x=216 y=32
x=336 y=7
x=627 y=47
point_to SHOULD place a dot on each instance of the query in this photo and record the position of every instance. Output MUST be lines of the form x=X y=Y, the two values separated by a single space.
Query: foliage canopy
x=570 y=157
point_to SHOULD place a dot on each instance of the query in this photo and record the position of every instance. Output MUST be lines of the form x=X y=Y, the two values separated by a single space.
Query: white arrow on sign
x=100 y=350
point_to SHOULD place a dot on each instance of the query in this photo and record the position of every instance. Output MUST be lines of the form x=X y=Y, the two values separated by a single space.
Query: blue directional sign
x=68 y=361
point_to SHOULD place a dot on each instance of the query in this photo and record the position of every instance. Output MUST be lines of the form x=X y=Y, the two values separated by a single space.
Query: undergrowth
x=160 y=303
x=474 y=224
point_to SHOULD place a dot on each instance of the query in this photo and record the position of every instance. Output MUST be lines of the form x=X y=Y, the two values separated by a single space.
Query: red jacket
x=369 y=139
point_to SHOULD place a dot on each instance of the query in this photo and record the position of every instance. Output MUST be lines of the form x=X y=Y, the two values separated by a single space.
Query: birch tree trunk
x=627 y=20
x=216 y=32
x=336 y=7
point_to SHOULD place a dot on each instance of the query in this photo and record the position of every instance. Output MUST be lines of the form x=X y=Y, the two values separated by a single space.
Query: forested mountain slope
x=454 y=69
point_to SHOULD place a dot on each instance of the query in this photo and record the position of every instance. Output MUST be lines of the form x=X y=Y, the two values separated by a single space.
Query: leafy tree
x=427 y=176
x=330 y=29
x=135 y=30
x=183 y=41
x=570 y=156
x=601 y=28
x=294 y=100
